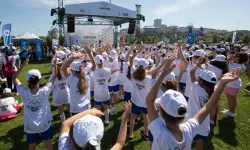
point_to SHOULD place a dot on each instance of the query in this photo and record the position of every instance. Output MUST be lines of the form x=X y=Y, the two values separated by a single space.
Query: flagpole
x=237 y=26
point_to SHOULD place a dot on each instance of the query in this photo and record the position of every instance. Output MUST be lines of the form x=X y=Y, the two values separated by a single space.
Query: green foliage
x=61 y=40
x=215 y=38
x=246 y=39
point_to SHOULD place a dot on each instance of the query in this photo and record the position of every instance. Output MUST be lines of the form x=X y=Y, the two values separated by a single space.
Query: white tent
x=26 y=36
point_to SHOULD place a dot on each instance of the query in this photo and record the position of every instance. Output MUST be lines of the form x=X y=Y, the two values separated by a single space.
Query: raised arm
x=129 y=52
x=131 y=61
x=196 y=65
x=92 y=59
x=229 y=77
x=180 y=52
x=14 y=77
x=183 y=67
x=152 y=112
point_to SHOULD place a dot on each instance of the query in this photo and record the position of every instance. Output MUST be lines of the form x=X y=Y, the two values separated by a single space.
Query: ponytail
x=82 y=84
x=59 y=72
x=129 y=73
x=139 y=74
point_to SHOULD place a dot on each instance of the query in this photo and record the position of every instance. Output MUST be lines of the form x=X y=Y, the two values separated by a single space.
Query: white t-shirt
x=7 y=106
x=78 y=102
x=60 y=94
x=184 y=77
x=188 y=81
x=127 y=82
x=177 y=67
x=198 y=98
x=140 y=90
x=217 y=71
x=114 y=76
x=236 y=83
x=101 y=77
x=164 y=140
x=37 y=113
x=64 y=142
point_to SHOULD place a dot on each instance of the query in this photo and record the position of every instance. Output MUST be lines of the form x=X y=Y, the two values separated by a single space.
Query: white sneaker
x=106 y=122
x=115 y=111
x=228 y=113
x=111 y=111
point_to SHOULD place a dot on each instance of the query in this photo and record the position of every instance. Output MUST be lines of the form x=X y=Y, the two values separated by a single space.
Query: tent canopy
x=26 y=36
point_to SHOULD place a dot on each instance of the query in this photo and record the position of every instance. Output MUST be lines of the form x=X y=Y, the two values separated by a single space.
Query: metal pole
x=110 y=1
x=237 y=26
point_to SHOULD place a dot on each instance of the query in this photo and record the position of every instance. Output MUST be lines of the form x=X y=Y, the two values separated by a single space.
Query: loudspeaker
x=131 y=28
x=70 y=24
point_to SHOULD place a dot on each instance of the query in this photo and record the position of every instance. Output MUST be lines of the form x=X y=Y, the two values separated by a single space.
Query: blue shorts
x=182 y=86
x=137 y=110
x=114 y=89
x=100 y=103
x=186 y=98
x=92 y=93
x=150 y=136
x=199 y=137
x=35 y=137
x=127 y=96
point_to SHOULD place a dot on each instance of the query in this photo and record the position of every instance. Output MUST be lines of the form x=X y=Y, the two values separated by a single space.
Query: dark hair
x=129 y=73
x=33 y=82
x=174 y=120
x=220 y=65
x=121 y=68
x=209 y=85
x=5 y=95
x=139 y=74
x=170 y=85
x=237 y=47
x=243 y=58
x=9 y=53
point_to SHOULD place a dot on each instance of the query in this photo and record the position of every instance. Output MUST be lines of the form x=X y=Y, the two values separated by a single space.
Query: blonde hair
x=82 y=84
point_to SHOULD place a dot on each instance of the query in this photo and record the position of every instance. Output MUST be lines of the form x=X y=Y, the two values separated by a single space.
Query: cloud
x=54 y=3
x=166 y=10
x=195 y=2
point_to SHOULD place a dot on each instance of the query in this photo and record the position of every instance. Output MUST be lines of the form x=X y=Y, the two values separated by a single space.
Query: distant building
x=150 y=30
x=157 y=23
x=123 y=32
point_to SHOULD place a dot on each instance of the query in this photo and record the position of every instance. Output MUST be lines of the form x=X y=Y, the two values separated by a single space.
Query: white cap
x=150 y=61
x=76 y=66
x=170 y=76
x=136 y=61
x=199 y=53
x=164 y=51
x=6 y=90
x=143 y=63
x=171 y=101
x=78 y=47
x=208 y=76
x=186 y=55
x=2 y=47
x=88 y=129
x=61 y=54
x=93 y=50
x=99 y=59
x=187 y=45
x=58 y=61
x=13 y=48
x=105 y=55
x=222 y=50
x=112 y=54
x=220 y=58
x=33 y=72
x=122 y=56
x=54 y=47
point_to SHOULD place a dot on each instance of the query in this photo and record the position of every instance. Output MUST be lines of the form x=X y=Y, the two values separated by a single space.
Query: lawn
x=230 y=134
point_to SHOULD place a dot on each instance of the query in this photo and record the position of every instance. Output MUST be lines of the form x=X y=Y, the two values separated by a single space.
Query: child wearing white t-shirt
x=169 y=131
x=120 y=75
x=37 y=113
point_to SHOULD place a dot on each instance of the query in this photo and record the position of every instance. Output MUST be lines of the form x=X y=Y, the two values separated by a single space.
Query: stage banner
x=24 y=46
x=39 y=52
x=190 y=36
x=6 y=33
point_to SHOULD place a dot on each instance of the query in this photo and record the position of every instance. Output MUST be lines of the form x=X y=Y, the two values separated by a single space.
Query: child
x=60 y=90
x=171 y=133
x=120 y=75
x=9 y=107
x=37 y=113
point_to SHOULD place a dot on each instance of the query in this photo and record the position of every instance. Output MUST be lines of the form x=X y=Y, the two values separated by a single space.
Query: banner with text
x=6 y=33
x=24 y=46
x=39 y=52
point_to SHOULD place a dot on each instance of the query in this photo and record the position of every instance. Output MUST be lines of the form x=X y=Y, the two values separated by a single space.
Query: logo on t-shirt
x=34 y=104
x=203 y=100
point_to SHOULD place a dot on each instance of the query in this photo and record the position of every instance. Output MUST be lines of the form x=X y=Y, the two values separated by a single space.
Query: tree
x=49 y=41
x=61 y=40
x=228 y=38
x=215 y=38
x=246 y=39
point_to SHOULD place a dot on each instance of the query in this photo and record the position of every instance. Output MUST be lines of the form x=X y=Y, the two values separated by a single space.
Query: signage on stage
x=99 y=9
x=24 y=46
x=6 y=33
x=39 y=52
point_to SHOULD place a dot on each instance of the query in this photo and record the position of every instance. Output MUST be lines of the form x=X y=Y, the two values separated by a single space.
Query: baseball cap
x=170 y=76
x=222 y=50
x=171 y=102
x=186 y=55
x=88 y=129
x=122 y=56
x=143 y=63
x=104 y=55
x=220 y=58
x=99 y=59
x=58 y=61
x=78 y=47
x=199 y=53
x=187 y=45
x=112 y=54
x=136 y=61
x=7 y=90
x=76 y=66
x=208 y=76
x=2 y=47
x=13 y=48
x=61 y=54
x=150 y=61
x=33 y=72
x=54 y=47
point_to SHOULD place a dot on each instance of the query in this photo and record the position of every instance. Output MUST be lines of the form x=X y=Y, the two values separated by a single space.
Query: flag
x=24 y=45
x=39 y=52
x=200 y=33
x=6 y=32
x=190 y=36
x=175 y=37
x=234 y=37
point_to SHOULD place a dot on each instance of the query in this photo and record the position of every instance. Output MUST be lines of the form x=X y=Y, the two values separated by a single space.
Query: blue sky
x=34 y=15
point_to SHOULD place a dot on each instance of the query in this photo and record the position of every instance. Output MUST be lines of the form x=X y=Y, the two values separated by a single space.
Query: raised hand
x=96 y=112
x=78 y=55
x=201 y=60
x=169 y=66
x=231 y=76
x=183 y=66
x=26 y=62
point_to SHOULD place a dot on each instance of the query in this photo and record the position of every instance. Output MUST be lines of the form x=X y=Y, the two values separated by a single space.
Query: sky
x=34 y=15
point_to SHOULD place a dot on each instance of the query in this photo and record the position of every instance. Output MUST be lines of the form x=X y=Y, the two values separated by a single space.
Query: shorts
x=61 y=103
x=199 y=137
x=92 y=93
x=137 y=110
x=150 y=136
x=186 y=98
x=35 y=137
x=114 y=89
x=231 y=91
x=100 y=103
x=127 y=96
x=182 y=86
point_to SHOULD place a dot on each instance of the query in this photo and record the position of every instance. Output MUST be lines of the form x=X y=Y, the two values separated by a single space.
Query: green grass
x=228 y=134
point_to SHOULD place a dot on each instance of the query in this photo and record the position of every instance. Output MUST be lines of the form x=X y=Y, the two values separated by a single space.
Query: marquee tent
x=26 y=36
